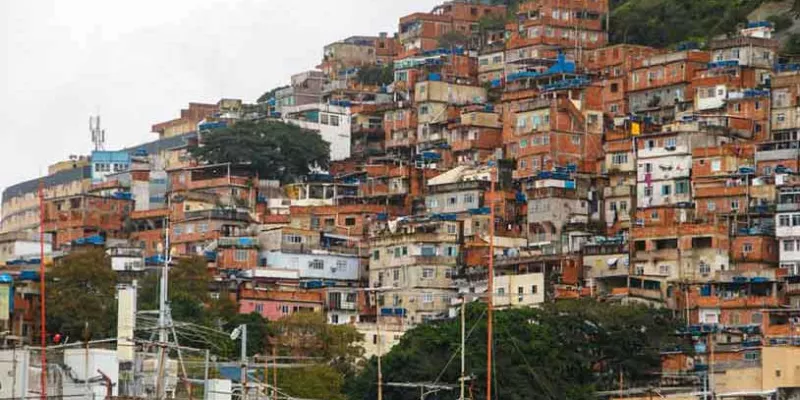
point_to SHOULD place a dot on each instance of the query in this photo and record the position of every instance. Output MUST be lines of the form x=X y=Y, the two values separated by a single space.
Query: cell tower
x=98 y=134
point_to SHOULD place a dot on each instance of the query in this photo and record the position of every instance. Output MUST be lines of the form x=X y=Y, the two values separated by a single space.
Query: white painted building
x=331 y=121
x=317 y=265
x=787 y=229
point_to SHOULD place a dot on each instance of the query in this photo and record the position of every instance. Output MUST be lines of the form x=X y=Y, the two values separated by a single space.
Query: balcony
x=651 y=294
x=407 y=142
x=788 y=207
x=618 y=191
x=240 y=242
x=434 y=260
x=727 y=191
x=736 y=302
x=654 y=255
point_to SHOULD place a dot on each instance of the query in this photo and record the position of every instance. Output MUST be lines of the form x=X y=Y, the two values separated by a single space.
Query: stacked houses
x=621 y=172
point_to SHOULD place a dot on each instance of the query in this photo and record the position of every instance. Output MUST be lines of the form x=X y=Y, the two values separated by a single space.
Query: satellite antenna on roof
x=98 y=134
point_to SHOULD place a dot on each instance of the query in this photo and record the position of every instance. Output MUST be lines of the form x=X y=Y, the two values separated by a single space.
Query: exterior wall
x=274 y=310
x=519 y=290
x=390 y=335
x=454 y=202
x=443 y=92
x=336 y=133
x=233 y=258
x=105 y=163
x=14 y=249
x=334 y=267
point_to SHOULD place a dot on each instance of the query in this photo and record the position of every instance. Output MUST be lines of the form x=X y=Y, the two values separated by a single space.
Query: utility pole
x=463 y=340
x=163 y=311
x=379 y=340
x=42 y=294
x=490 y=290
x=244 y=361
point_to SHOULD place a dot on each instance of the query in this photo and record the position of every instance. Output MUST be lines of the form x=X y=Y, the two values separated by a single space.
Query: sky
x=136 y=63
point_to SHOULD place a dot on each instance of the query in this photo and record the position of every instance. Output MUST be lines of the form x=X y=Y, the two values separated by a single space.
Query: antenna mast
x=98 y=134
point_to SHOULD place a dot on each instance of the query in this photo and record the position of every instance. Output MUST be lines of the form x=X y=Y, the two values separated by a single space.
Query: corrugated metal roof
x=172 y=142
x=56 y=179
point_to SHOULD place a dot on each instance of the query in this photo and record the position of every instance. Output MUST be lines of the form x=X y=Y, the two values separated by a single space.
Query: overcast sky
x=138 y=62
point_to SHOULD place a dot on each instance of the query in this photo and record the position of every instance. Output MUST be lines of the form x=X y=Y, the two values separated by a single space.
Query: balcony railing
x=789 y=207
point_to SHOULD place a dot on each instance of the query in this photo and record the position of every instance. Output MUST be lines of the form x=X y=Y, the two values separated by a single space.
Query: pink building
x=274 y=305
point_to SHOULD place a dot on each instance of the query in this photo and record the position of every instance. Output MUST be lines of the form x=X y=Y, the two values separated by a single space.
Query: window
x=747 y=248
x=670 y=143
x=469 y=198
x=784 y=220
x=788 y=245
x=284 y=309
x=737 y=107
x=711 y=206
x=681 y=187
x=758 y=105
x=349 y=221
x=259 y=308
x=484 y=61
x=654 y=215
x=316 y=264
x=534 y=289
x=452 y=200
x=501 y=291
x=427 y=273
x=666 y=190
x=290 y=238
x=323 y=119
x=240 y=255
x=767 y=170
x=423 y=110
x=613 y=206
x=341 y=265
x=203 y=228
x=523 y=143
x=614 y=87
x=623 y=206
x=716 y=165
x=663 y=269
x=648 y=168
x=705 y=268
x=614 y=108
x=427 y=298
x=781 y=117
x=648 y=191
x=619 y=158
x=734 y=205
x=795 y=219
x=576 y=139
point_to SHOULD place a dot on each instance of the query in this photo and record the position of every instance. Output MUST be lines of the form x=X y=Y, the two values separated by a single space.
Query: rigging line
x=530 y=369
x=455 y=354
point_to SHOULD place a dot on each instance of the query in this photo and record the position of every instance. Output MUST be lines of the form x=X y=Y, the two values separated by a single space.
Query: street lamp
x=241 y=330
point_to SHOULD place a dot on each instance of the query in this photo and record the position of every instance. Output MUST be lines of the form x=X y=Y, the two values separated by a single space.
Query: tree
x=81 y=296
x=336 y=350
x=275 y=150
x=563 y=350
x=662 y=23
x=792 y=45
x=375 y=75
x=269 y=94
x=453 y=39
x=258 y=331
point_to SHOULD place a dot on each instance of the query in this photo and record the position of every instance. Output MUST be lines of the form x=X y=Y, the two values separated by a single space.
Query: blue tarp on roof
x=29 y=276
x=96 y=240
x=154 y=260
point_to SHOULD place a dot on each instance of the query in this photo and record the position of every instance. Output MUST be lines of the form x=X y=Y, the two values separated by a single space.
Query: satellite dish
x=236 y=332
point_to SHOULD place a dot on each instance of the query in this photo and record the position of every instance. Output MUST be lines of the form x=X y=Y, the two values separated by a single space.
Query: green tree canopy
x=81 y=296
x=564 y=350
x=661 y=23
x=269 y=94
x=375 y=75
x=275 y=150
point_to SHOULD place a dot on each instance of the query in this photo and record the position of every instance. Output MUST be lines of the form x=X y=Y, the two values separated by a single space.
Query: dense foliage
x=335 y=350
x=375 y=75
x=275 y=150
x=564 y=350
x=81 y=296
x=661 y=23
x=269 y=94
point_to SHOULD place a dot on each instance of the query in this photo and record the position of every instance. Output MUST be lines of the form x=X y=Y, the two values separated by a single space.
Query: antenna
x=98 y=134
